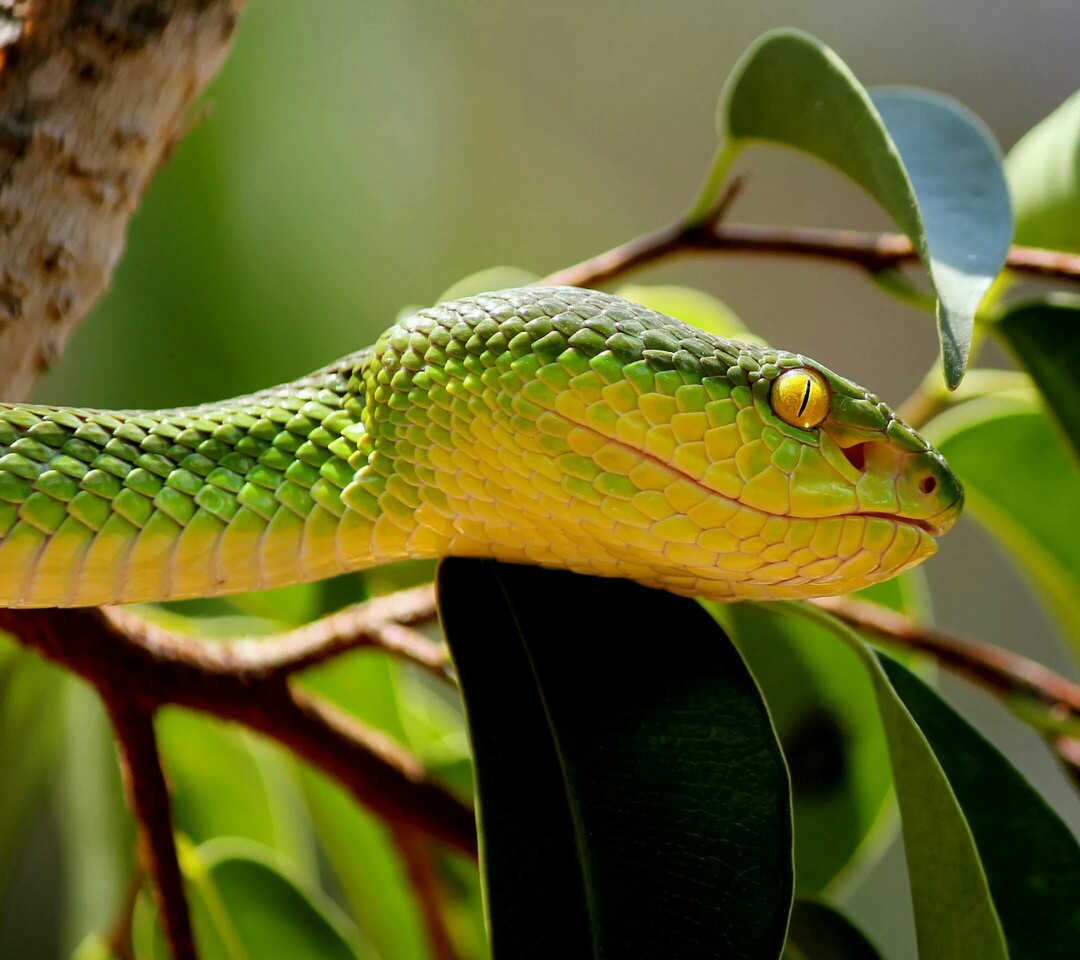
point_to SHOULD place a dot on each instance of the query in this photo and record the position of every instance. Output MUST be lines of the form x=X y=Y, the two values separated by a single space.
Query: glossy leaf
x=793 y=90
x=1030 y=505
x=825 y=712
x=632 y=799
x=954 y=912
x=1044 y=176
x=1031 y=859
x=820 y=932
x=823 y=706
x=1045 y=336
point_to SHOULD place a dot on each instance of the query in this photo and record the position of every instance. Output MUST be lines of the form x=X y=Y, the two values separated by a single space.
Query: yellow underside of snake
x=555 y=426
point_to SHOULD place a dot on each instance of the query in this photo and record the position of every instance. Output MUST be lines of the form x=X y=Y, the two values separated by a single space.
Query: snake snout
x=930 y=492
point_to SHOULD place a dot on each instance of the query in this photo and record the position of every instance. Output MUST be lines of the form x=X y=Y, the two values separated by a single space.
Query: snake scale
x=556 y=426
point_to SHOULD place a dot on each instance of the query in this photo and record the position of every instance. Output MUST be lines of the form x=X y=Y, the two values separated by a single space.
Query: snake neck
x=104 y=507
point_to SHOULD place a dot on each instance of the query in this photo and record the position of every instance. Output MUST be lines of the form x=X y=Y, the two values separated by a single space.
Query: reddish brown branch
x=422 y=871
x=162 y=668
x=873 y=252
x=1010 y=677
x=148 y=797
x=999 y=671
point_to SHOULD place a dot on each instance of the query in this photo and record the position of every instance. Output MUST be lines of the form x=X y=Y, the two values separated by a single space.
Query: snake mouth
x=928 y=526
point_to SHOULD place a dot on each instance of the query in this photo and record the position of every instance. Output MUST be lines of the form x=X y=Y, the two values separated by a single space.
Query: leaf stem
x=702 y=211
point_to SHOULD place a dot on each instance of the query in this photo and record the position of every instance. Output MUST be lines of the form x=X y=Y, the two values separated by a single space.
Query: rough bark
x=94 y=95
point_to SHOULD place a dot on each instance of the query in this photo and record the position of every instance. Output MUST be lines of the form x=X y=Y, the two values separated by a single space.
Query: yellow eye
x=801 y=397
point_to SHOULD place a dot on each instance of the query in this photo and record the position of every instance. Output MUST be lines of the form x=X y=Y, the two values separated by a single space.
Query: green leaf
x=94 y=947
x=246 y=905
x=31 y=725
x=692 y=306
x=484 y=281
x=369 y=870
x=820 y=932
x=1031 y=859
x=1045 y=336
x=632 y=797
x=226 y=783
x=793 y=90
x=1020 y=482
x=98 y=834
x=401 y=703
x=1044 y=176
x=954 y=912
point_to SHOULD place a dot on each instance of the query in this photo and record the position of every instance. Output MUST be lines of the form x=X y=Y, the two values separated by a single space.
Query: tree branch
x=148 y=797
x=873 y=252
x=999 y=671
x=1044 y=699
x=384 y=623
x=94 y=96
x=162 y=668
x=423 y=874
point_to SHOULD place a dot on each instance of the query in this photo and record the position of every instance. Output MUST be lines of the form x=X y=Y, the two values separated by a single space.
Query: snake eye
x=801 y=397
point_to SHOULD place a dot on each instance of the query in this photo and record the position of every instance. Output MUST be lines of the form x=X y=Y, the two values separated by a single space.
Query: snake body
x=556 y=426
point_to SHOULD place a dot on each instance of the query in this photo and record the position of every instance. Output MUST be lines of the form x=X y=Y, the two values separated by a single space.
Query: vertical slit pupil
x=805 y=396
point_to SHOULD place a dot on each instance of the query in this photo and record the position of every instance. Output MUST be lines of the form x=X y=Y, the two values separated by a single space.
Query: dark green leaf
x=1031 y=859
x=1045 y=336
x=820 y=932
x=631 y=793
x=1020 y=481
x=825 y=712
x=791 y=89
x=954 y=912
x=1044 y=175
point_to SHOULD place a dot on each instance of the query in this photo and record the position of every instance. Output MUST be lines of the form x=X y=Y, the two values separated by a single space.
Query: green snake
x=555 y=426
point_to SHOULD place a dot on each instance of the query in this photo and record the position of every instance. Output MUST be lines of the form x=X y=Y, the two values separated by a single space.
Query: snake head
x=887 y=467
x=575 y=429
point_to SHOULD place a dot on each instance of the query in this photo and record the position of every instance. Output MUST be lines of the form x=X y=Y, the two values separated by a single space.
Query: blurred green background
x=354 y=158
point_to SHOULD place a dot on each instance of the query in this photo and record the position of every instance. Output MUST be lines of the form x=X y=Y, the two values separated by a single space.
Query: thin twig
x=873 y=252
x=384 y=623
x=148 y=797
x=422 y=871
x=162 y=668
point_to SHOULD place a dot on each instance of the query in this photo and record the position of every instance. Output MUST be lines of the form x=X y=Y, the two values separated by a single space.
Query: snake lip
x=933 y=529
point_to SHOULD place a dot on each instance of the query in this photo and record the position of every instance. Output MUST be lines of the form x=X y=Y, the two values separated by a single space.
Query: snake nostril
x=928 y=485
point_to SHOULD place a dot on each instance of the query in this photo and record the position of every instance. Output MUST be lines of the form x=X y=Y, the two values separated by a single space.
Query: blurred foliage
x=280 y=862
